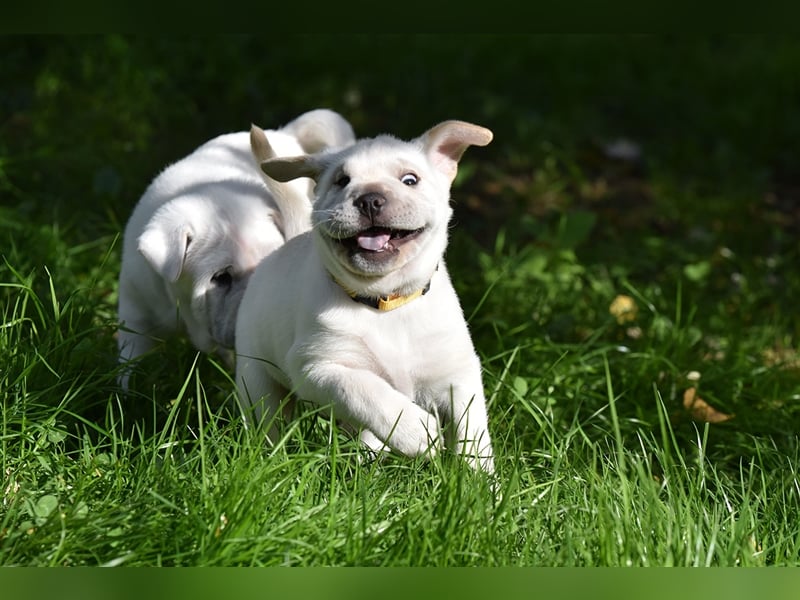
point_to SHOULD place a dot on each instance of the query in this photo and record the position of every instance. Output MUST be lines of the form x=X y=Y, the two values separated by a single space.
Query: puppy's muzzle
x=376 y=240
x=370 y=204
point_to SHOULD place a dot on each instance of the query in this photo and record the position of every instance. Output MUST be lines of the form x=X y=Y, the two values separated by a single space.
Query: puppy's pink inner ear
x=447 y=142
x=445 y=157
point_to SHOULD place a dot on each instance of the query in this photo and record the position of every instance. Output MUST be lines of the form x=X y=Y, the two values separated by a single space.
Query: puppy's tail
x=294 y=205
x=320 y=129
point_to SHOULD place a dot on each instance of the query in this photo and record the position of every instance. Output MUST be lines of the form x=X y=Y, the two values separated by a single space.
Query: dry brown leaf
x=623 y=308
x=700 y=410
x=781 y=357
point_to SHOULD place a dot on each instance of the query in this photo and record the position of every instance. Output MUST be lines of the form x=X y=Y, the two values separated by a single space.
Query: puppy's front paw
x=372 y=442
x=477 y=452
x=482 y=461
x=416 y=433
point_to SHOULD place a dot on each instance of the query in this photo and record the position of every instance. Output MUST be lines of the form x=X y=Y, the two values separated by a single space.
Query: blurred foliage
x=87 y=121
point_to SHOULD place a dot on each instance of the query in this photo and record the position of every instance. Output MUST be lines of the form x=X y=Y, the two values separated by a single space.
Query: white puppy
x=200 y=229
x=365 y=319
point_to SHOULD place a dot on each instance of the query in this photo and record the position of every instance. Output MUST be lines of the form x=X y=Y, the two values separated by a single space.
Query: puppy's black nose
x=370 y=204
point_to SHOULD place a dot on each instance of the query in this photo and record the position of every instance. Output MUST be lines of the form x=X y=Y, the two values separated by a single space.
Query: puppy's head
x=205 y=258
x=382 y=206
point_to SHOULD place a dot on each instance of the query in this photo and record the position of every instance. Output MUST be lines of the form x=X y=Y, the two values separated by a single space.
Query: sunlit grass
x=599 y=295
x=597 y=463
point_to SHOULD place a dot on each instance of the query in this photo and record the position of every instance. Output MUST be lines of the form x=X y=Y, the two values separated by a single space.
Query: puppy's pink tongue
x=373 y=240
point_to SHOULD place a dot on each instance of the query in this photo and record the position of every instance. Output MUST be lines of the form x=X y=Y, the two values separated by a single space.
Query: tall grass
x=600 y=460
x=588 y=485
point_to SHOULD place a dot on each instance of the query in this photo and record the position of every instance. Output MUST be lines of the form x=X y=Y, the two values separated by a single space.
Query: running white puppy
x=200 y=229
x=365 y=318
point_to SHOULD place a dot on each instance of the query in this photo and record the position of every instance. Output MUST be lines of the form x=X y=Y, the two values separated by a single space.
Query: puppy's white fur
x=200 y=229
x=380 y=222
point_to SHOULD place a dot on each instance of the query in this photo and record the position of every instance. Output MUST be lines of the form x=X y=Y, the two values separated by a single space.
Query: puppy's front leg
x=364 y=398
x=468 y=428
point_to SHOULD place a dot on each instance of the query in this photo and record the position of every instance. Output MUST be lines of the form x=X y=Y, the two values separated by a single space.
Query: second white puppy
x=199 y=230
x=359 y=314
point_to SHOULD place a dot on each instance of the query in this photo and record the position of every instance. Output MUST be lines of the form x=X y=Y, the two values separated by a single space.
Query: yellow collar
x=385 y=303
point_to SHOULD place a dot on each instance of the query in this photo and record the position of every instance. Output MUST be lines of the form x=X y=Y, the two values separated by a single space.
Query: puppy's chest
x=407 y=353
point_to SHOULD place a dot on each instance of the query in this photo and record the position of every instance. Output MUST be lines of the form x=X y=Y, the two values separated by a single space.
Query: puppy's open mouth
x=379 y=239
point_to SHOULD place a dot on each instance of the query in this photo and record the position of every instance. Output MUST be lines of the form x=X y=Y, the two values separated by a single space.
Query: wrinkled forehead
x=381 y=154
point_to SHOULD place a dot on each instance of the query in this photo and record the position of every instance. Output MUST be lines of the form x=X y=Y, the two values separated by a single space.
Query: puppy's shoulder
x=289 y=259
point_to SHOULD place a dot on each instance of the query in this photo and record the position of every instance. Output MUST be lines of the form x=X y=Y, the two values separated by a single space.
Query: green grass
x=598 y=460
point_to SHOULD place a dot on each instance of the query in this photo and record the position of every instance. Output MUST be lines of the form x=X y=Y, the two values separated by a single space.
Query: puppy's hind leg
x=260 y=396
x=131 y=345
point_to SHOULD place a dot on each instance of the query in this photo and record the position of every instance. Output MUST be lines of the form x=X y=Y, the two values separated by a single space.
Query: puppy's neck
x=385 y=303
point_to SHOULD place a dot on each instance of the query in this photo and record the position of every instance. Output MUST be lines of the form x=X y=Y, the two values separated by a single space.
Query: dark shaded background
x=87 y=121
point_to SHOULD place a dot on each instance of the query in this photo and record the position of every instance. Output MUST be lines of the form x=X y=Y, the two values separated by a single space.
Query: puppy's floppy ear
x=284 y=168
x=294 y=208
x=165 y=248
x=446 y=142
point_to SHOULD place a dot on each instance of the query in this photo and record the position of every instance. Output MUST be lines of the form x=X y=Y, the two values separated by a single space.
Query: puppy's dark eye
x=343 y=180
x=222 y=278
x=409 y=179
